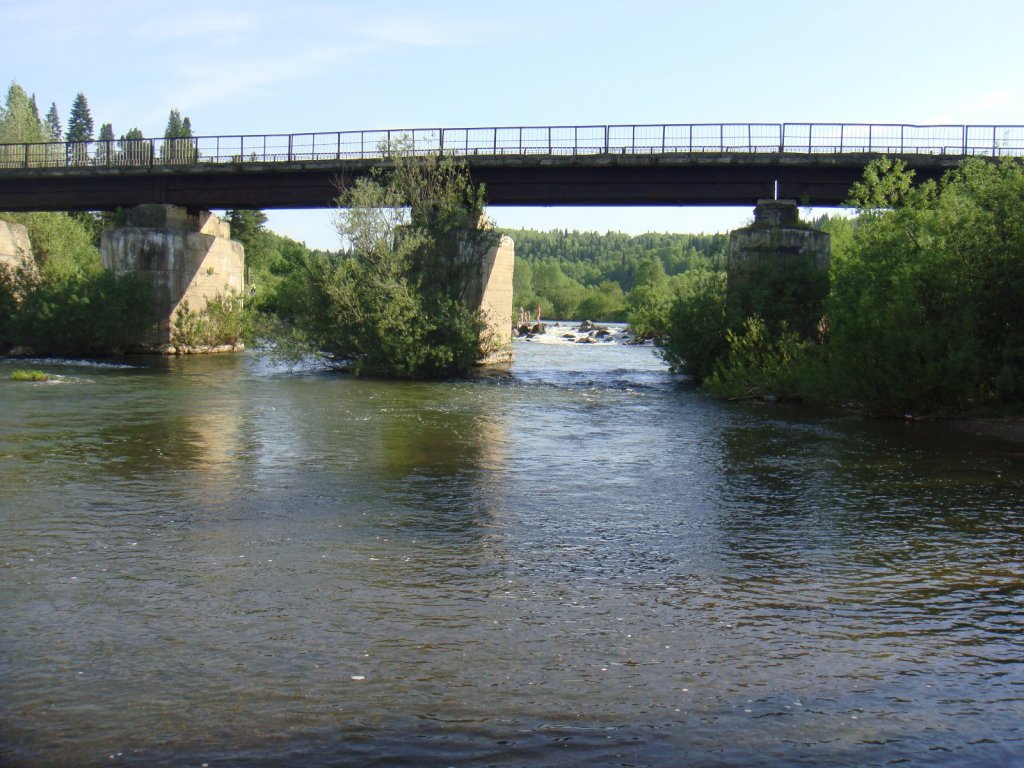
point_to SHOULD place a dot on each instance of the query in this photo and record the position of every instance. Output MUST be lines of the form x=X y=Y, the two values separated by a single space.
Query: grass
x=25 y=375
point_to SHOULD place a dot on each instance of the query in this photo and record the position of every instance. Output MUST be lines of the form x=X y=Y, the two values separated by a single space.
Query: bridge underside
x=728 y=178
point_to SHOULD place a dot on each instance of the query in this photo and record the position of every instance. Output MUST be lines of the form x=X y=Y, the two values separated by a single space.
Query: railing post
x=691 y=137
x=963 y=130
x=871 y=130
x=994 y=153
x=521 y=141
x=494 y=141
x=664 y=128
x=290 y=138
x=338 y=155
x=841 y=129
x=721 y=137
x=782 y=138
x=549 y=140
x=750 y=141
x=606 y=139
x=902 y=150
x=26 y=155
x=441 y=141
x=576 y=140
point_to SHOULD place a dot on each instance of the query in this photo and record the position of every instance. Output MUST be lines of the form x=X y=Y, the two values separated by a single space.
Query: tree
x=134 y=149
x=398 y=302
x=80 y=125
x=105 y=150
x=79 y=132
x=19 y=120
x=177 y=146
x=53 y=123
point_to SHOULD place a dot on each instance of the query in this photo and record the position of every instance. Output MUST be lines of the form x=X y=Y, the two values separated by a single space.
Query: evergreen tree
x=80 y=125
x=176 y=147
x=19 y=120
x=53 y=123
x=104 y=152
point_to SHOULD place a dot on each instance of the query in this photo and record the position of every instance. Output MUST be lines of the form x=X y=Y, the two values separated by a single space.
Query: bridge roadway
x=617 y=165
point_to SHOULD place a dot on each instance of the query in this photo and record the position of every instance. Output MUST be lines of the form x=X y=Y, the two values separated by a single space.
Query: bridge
x=618 y=165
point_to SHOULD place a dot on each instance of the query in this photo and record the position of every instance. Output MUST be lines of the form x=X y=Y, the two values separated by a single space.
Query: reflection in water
x=211 y=560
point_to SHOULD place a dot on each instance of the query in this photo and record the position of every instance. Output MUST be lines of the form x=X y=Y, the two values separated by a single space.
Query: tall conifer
x=53 y=123
x=80 y=125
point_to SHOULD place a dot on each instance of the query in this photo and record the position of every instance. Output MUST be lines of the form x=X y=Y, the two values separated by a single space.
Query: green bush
x=83 y=313
x=696 y=337
x=223 y=321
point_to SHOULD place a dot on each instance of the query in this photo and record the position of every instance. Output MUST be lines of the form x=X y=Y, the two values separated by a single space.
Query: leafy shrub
x=223 y=321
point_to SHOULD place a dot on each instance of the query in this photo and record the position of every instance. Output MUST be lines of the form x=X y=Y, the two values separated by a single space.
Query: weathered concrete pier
x=778 y=269
x=189 y=257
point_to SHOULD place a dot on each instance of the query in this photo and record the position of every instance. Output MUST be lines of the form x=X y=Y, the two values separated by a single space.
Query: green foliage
x=571 y=274
x=696 y=339
x=758 y=362
x=22 y=374
x=178 y=146
x=923 y=313
x=19 y=119
x=53 y=126
x=926 y=296
x=61 y=243
x=80 y=124
x=397 y=303
x=77 y=313
x=224 y=321
x=70 y=305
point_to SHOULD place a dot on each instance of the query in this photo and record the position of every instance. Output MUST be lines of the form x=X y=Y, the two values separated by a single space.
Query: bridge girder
x=601 y=179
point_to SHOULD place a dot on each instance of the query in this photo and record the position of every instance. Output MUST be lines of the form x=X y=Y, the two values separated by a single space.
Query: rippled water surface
x=213 y=561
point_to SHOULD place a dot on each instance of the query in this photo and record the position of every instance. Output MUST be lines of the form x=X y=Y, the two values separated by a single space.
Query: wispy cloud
x=173 y=24
x=210 y=82
x=416 y=32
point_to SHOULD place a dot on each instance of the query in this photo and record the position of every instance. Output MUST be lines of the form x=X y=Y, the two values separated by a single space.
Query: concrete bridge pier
x=492 y=294
x=188 y=256
x=778 y=269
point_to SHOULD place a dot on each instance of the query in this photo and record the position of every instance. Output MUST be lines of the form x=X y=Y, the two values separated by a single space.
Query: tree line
x=20 y=122
x=610 y=277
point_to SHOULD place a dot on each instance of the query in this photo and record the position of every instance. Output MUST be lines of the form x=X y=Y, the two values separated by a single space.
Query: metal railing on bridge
x=693 y=138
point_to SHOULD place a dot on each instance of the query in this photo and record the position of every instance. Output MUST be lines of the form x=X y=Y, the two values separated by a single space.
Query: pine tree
x=53 y=123
x=80 y=125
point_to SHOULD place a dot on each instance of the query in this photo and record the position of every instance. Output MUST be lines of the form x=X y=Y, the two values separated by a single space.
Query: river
x=213 y=561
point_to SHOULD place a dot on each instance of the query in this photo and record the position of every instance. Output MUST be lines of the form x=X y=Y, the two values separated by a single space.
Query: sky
x=317 y=66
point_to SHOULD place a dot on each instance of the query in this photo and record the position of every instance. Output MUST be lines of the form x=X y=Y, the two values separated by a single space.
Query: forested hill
x=576 y=275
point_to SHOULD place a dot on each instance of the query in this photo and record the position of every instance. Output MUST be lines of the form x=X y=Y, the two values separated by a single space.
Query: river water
x=213 y=561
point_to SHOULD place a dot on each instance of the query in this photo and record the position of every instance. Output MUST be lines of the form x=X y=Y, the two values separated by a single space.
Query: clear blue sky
x=313 y=65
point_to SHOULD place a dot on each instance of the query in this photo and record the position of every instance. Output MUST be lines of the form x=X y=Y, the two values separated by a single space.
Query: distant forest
x=587 y=275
